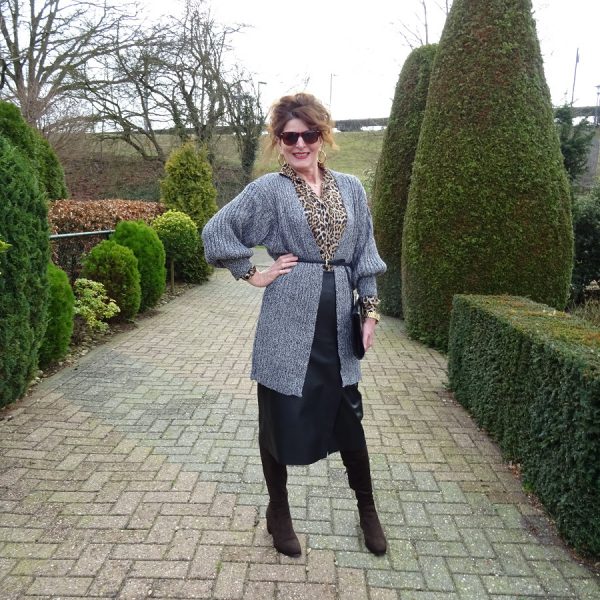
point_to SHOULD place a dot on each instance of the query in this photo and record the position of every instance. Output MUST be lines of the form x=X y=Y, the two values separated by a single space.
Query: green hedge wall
x=530 y=375
x=489 y=208
x=392 y=176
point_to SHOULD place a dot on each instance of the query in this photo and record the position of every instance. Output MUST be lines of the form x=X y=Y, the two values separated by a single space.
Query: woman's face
x=301 y=156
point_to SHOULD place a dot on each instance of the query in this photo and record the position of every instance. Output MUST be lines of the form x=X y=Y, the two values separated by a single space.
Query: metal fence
x=68 y=249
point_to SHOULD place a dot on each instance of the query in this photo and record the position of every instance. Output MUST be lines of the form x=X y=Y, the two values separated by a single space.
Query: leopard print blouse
x=327 y=218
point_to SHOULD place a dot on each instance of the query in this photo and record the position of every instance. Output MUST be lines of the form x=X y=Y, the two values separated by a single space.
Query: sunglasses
x=289 y=138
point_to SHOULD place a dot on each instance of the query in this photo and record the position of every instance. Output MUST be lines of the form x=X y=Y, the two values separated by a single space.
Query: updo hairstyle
x=300 y=106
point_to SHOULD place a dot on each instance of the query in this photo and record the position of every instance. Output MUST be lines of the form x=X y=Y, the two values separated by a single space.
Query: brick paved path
x=136 y=475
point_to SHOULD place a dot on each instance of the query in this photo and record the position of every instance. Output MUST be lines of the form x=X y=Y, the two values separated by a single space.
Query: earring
x=321 y=156
x=281 y=159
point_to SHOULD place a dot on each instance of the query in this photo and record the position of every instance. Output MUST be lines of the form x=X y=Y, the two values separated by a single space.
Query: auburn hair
x=304 y=107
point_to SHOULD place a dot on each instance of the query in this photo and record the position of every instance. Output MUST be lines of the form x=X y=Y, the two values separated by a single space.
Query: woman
x=316 y=224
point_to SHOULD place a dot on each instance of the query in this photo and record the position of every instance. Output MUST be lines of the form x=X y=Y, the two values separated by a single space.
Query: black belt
x=338 y=262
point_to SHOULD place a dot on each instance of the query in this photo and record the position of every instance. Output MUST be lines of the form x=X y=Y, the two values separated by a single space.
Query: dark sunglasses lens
x=310 y=137
x=289 y=138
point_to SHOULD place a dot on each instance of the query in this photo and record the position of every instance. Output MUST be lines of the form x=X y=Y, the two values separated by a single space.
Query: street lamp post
x=596 y=123
x=258 y=92
x=331 y=76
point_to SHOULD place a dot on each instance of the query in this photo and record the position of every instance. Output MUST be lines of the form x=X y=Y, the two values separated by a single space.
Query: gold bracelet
x=373 y=314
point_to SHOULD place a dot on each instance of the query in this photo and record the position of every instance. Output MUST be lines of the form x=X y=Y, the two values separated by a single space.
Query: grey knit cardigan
x=268 y=212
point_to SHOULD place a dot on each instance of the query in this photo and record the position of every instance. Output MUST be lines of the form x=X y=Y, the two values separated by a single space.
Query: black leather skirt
x=300 y=430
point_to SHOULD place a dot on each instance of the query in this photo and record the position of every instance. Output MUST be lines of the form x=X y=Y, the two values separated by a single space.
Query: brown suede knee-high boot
x=359 y=478
x=279 y=520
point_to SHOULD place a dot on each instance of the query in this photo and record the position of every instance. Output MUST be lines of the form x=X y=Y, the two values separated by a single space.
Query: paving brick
x=277 y=573
x=136 y=474
x=259 y=590
x=230 y=581
x=352 y=584
x=205 y=562
x=60 y=586
x=306 y=591
x=321 y=566
x=160 y=569
x=109 y=580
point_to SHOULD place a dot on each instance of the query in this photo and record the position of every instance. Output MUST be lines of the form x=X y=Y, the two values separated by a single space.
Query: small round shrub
x=150 y=252
x=180 y=238
x=116 y=267
x=194 y=269
x=92 y=307
x=586 y=229
x=61 y=309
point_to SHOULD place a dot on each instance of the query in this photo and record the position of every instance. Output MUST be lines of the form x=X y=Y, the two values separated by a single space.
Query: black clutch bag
x=357 y=330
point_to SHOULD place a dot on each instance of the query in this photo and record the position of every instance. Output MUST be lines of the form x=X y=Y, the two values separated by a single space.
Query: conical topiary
x=29 y=141
x=392 y=177
x=488 y=209
x=23 y=283
x=188 y=187
x=188 y=184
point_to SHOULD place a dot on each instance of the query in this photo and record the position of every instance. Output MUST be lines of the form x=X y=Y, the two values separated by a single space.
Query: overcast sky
x=351 y=51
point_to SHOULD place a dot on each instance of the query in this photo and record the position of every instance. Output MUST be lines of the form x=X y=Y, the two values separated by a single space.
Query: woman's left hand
x=369 y=333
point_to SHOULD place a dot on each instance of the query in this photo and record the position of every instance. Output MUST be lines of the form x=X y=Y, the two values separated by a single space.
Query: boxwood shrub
x=181 y=241
x=61 y=309
x=116 y=267
x=150 y=252
x=530 y=375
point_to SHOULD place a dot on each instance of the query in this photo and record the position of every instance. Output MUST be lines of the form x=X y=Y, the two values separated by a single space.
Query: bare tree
x=173 y=78
x=44 y=43
x=246 y=120
x=417 y=33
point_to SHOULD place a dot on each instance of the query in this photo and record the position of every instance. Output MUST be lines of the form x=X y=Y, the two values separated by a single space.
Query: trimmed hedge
x=23 y=283
x=392 y=176
x=70 y=216
x=116 y=267
x=149 y=250
x=489 y=209
x=530 y=375
x=61 y=312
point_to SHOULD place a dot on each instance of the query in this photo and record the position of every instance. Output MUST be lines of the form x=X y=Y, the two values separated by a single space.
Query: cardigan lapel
x=293 y=208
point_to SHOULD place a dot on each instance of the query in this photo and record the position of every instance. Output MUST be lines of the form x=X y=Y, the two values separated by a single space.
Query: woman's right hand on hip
x=283 y=265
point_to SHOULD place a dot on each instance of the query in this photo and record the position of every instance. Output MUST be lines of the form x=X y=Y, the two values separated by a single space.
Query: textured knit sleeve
x=367 y=262
x=231 y=234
